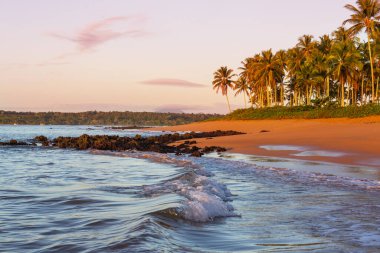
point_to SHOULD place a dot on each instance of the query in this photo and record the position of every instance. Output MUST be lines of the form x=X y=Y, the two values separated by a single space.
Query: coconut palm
x=365 y=15
x=282 y=59
x=345 y=59
x=241 y=86
x=295 y=60
x=222 y=81
x=321 y=61
x=342 y=34
x=365 y=73
x=306 y=44
x=269 y=71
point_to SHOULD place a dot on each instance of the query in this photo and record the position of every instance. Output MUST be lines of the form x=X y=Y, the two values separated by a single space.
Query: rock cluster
x=160 y=144
x=13 y=143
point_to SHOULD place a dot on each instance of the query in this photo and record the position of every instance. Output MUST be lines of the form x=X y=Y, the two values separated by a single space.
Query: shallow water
x=55 y=200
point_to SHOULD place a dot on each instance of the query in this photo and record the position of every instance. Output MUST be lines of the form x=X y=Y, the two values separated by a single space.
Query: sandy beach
x=346 y=141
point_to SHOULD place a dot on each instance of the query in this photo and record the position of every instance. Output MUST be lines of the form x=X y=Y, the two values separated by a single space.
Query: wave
x=290 y=176
x=285 y=175
x=204 y=199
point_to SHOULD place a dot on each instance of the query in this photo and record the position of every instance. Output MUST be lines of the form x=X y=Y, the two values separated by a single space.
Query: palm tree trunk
x=318 y=92
x=282 y=94
x=328 y=87
x=228 y=102
x=362 y=92
x=342 y=93
x=275 y=92
x=245 y=100
x=371 y=63
x=352 y=94
x=377 y=89
x=300 y=100
x=310 y=93
x=307 y=95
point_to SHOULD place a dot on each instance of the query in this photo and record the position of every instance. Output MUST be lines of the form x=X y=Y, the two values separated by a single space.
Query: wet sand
x=345 y=141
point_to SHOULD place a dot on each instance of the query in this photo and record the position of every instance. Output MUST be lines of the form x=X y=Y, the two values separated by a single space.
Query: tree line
x=334 y=69
x=101 y=118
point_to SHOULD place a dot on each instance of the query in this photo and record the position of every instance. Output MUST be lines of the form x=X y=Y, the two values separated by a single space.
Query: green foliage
x=338 y=66
x=305 y=112
x=101 y=118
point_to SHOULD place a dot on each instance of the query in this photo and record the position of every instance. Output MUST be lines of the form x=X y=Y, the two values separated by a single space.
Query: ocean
x=57 y=200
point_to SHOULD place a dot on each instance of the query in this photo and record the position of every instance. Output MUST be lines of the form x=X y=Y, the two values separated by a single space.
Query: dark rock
x=13 y=142
x=196 y=154
x=41 y=138
x=211 y=149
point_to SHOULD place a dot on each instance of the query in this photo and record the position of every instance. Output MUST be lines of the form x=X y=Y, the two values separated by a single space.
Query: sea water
x=55 y=200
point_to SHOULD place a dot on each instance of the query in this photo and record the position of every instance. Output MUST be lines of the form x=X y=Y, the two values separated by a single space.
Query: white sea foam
x=203 y=207
x=204 y=198
x=287 y=175
x=283 y=147
x=321 y=153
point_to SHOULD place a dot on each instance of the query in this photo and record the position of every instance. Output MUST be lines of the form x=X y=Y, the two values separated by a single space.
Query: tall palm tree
x=222 y=81
x=282 y=59
x=295 y=60
x=365 y=16
x=241 y=86
x=269 y=71
x=322 y=64
x=345 y=60
x=342 y=34
x=365 y=72
x=306 y=44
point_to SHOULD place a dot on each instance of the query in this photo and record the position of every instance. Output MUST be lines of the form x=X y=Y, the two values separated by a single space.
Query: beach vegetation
x=330 y=110
x=223 y=81
x=130 y=119
x=336 y=68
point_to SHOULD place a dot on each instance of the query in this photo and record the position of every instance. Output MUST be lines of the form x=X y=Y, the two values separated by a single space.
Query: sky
x=142 y=55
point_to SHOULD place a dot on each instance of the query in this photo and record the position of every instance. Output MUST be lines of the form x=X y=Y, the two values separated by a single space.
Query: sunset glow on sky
x=142 y=55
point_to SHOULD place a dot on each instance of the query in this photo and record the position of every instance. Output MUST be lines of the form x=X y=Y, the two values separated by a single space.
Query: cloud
x=100 y=32
x=173 y=82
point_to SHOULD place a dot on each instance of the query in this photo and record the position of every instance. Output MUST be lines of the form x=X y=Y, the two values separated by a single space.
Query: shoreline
x=339 y=140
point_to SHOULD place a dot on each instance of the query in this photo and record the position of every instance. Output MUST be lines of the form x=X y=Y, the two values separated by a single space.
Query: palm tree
x=365 y=73
x=365 y=16
x=222 y=81
x=306 y=44
x=342 y=34
x=269 y=71
x=295 y=60
x=282 y=58
x=345 y=60
x=322 y=64
x=241 y=86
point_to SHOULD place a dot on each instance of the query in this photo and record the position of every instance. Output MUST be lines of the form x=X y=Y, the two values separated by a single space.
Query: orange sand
x=359 y=138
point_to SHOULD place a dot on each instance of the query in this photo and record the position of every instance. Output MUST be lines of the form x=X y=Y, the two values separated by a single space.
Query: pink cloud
x=173 y=82
x=97 y=33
